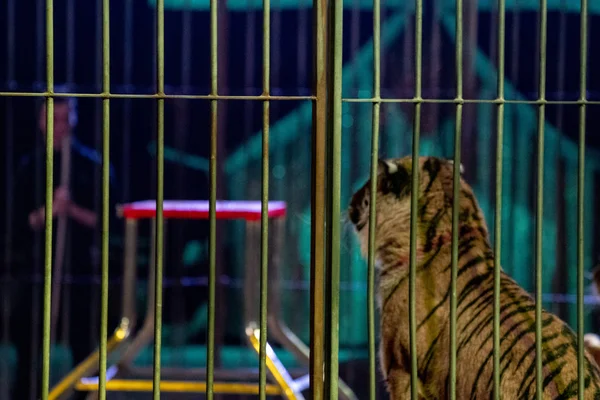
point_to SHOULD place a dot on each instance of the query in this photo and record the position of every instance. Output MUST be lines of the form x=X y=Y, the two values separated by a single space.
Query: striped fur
x=592 y=340
x=474 y=296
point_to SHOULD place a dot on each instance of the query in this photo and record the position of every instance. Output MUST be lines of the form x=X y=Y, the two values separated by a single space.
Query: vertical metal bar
x=581 y=197
x=249 y=53
x=97 y=267
x=317 y=225
x=49 y=193
x=559 y=284
x=540 y=199
x=37 y=259
x=264 y=225
x=498 y=208
x=160 y=165
x=333 y=207
x=186 y=46
x=221 y=311
x=415 y=197
x=435 y=63
x=301 y=44
x=456 y=193
x=105 y=196
x=8 y=165
x=372 y=216
x=127 y=73
x=560 y=79
x=212 y=254
x=70 y=17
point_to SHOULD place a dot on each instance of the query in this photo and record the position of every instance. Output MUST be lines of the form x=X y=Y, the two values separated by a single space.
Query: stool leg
x=130 y=272
x=146 y=333
x=251 y=277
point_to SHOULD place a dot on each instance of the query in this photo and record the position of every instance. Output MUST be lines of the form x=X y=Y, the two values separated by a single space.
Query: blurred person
x=81 y=250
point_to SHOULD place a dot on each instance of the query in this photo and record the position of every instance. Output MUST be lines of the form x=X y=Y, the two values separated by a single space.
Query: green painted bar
x=318 y=202
x=212 y=255
x=49 y=194
x=483 y=5
x=540 y=199
x=414 y=198
x=498 y=208
x=160 y=167
x=332 y=305
x=456 y=194
x=581 y=200
x=105 y=198
x=372 y=215
x=264 y=220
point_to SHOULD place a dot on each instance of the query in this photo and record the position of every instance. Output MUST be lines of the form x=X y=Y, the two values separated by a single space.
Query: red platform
x=198 y=209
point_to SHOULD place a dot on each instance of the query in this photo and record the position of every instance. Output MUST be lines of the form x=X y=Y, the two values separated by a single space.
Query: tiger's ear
x=386 y=167
x=395 y=178
x=462 y=169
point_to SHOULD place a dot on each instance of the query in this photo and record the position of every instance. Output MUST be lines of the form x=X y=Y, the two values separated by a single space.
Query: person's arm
x=37 y=218
x=24 y=206
x=82 y=215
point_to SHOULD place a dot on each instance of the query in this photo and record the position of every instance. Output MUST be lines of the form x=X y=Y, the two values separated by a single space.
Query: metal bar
x=249 y=115
x=105 y=198
x=186 y=46
x=210 y=346
x=127 y=74
x=455 y=195
x=333 y=221
x=264 y=225
x=221 y=310
x=498 y=208
x=540 y=198
x=129 y=309
x=558 y=278
x=66 y=304
x=8 y=169
x=372 y=216
x=301 y=43
x=37 y=258
x=154 y=96
x=242 y=373
x=70 y=17
x=94 y=312
x=414 y=199
x=472 y=101
x=138 y=385
x=317 y=225
x=163 y=96
x=160 y=159
x=435 y=57
x=49 y=193
x=581 y=199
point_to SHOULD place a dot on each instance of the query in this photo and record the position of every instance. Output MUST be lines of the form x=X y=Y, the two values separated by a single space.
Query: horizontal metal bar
x=194 y=374
x=153 y=96
x=297 y=98
x=475 y=101
x=138 y=385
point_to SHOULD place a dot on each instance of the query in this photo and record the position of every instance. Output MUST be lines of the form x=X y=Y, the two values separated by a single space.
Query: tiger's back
x=475 y=292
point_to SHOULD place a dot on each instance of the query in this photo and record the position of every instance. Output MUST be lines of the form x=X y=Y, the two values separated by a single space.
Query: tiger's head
x=393 y=207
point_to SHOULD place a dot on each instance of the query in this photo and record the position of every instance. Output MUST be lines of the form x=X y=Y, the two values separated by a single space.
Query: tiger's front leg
x=398 y=385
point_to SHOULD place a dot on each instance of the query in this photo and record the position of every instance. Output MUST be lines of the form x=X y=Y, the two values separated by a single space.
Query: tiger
x=475 y=291
x=592 y=340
